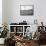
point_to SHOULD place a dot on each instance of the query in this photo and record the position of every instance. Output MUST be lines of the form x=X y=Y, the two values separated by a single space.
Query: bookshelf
x=18 y=29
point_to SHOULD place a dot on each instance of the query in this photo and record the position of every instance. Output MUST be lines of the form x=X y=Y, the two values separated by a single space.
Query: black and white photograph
x=26 y=9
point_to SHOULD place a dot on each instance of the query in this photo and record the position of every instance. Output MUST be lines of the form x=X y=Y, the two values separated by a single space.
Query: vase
x=2 y=40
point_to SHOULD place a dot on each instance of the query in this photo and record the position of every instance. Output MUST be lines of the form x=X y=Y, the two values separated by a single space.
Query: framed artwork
x=26 y=10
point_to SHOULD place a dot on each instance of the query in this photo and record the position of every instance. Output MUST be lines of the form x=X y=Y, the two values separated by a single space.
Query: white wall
x=4 y=15
x=0 y=13
x=12 y=11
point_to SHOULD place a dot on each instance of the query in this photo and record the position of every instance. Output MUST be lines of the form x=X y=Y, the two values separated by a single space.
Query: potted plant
x=3 y=34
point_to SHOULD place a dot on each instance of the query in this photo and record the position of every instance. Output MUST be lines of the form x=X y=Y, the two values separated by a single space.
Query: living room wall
x=12 y=11
x=0 y=13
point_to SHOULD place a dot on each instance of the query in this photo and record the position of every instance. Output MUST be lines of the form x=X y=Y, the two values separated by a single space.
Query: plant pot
x=2 y=40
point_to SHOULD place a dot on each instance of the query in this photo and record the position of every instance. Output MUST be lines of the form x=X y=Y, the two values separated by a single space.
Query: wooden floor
x=1 y=45
x=32 y=45
x=42 y=45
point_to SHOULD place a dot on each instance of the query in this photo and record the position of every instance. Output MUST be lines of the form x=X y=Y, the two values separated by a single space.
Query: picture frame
x=26 y=10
